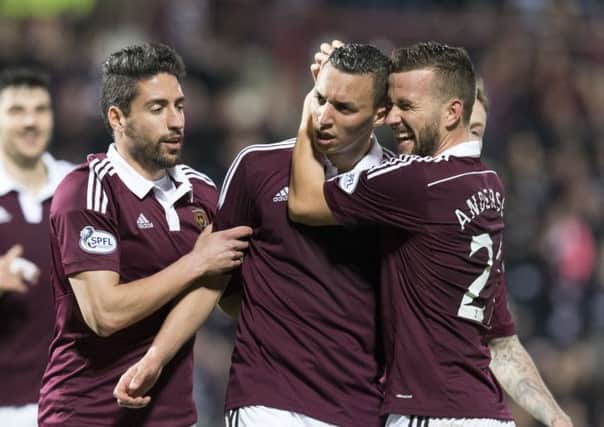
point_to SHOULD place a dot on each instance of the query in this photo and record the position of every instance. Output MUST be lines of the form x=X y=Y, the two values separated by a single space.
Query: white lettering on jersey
x=97 y=241
x=477 y=203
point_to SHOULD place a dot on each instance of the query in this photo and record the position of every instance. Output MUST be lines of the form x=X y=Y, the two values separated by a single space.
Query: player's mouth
x=324 y=138
x=173 y=142
x=405 y=141
x=30 y=135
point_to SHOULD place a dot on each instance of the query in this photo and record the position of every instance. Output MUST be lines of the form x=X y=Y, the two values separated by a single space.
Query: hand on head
x=322 y=56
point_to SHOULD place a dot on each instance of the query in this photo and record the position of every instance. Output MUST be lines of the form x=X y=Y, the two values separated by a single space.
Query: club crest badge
x=201 y=218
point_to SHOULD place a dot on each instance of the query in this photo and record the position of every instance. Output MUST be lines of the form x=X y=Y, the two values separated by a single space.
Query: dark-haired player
x=28 y=178
x=449 y=337
x=125 y=243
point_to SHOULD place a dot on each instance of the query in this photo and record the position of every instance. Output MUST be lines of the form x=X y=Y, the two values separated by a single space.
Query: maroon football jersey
x=105 y=216
x=27 y=319
x=442 y=290
x=306 y=338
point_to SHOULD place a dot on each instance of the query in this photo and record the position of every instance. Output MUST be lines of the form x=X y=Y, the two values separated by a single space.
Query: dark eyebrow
x=342 y=105
x=160 y=101
x=163 y=101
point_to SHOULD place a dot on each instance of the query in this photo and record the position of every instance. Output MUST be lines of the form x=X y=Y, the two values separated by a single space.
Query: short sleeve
x=502 y=323
x=88 y=240
x=392 y=194
x=235 y=204
x=235 y=207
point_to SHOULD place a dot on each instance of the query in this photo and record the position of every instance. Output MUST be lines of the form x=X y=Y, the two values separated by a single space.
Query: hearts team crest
x=201 y=218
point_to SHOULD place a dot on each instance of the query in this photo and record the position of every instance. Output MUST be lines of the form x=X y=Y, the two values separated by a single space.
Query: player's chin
x=324 y=146
x=169 y=160
x=32 y=152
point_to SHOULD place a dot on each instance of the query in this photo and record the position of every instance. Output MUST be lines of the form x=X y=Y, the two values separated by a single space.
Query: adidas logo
x=5 y=216
x=143 y=222
x=281 y=196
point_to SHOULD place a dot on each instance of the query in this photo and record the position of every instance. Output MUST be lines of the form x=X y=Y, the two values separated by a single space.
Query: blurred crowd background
x=543 y=65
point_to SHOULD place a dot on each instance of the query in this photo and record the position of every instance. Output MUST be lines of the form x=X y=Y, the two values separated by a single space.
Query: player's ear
x=380 y=116
x=453 y=113
x=115 y=116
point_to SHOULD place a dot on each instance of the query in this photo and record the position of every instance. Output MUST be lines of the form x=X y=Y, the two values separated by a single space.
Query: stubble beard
x=427 y=140
x=149 y=153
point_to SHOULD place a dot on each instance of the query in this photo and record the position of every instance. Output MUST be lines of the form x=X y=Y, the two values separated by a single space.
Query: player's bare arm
x=231 y=304
x=182 y=322
x=108 y=306
x=516 y=372
x=306 y=200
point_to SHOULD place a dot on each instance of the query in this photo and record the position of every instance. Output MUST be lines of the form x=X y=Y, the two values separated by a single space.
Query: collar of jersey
x=56 y=172
x=374 y=157
x=140 y=185
x=465 y=149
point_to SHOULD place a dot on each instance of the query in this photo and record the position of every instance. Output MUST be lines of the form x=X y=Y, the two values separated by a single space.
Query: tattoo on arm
x=516 y=372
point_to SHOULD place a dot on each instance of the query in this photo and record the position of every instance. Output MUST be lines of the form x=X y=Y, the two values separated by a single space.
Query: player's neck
x=347 y=160
x=452 y=139
x=30 y=175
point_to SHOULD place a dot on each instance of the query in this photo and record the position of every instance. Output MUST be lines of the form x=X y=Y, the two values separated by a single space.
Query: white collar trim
x=56 y=172
x=140 y=185
x=465 y=149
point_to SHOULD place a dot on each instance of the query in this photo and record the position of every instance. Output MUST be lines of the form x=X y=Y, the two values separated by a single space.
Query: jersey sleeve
x=235 y=207
x=88 y=239
x=235 y=203
x=391 y=194
x=502 y=324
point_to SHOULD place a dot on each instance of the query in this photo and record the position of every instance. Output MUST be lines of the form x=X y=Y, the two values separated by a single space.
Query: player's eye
x=16 y=109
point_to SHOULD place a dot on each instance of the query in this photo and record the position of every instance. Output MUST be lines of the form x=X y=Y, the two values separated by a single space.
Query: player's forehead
x=162 y=86
x=23 y=95
x=343 y=87
x=411 y=85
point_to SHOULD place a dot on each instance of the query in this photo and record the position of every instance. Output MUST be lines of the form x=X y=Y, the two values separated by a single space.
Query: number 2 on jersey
x=466 y=309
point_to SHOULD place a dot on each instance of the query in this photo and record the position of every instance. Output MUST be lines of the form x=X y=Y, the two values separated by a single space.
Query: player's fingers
x=16 y=285
x=326 y=48
x=134 y=403
x=240 y=244
x=314 y=70
x=119 y=392
x=207 y=230
x=141 y=382
x=238 y=232
x=336 y=43
x=320 y=57
x=14 y=252
x=121 y=388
